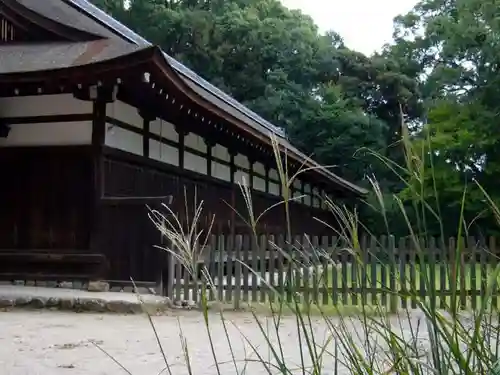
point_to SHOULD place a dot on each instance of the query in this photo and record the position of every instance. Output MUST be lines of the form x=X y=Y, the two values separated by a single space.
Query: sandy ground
x=56 y=343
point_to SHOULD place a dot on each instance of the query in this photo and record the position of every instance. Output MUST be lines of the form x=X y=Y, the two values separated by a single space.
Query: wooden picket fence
x=382 y=271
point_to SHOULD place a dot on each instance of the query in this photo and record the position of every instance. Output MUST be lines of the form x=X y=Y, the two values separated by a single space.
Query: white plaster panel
x=123 y=139
x=316 y=198
x=259 y=184
x=220 y=152
x=196 y=142
x=316 y=202
x=49 y=134
x=241 y=177
x=195 y=163
x=273 y=173
x=297 y=184
x=164 y=129
x=259 y=168
x=162 y=152
x=43 y=105
x=124 y=112
x=296 y=195
x=241 y=160
x=274 y=188
x=221 y=171
x=307 y=200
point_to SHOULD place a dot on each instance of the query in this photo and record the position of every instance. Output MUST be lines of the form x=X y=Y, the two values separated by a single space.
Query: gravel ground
x=54 y=343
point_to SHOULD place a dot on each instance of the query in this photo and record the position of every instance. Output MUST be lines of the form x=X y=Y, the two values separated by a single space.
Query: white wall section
x=241 y=177
x=259 y=184
x=195 y=142
x=43 y=133
x=123 y=139
x=220 y=152
x=274 y=189
x=164 y=129
x=241 y=160
x=195 y=163
x=49 y=134
x=164 y=153
x=125 y=113
x=221 y=171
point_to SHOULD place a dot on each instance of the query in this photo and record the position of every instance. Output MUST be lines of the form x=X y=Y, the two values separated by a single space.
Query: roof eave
x=172 y=74
x=125 y=61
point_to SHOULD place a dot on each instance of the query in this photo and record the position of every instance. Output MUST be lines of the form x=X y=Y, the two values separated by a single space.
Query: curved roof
x=117 y=40
x=20 y=58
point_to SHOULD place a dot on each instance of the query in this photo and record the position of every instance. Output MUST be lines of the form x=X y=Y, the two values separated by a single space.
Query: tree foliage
x=451 y=49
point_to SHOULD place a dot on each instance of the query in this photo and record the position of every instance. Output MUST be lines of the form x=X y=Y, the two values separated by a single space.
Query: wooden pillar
x=98 y=139
x=251 y=162
x=182 y=132
x=147 y=117
x=210 y=145
x=232 y=171
x=182 y=147
x=266 y=178
x=99 y=96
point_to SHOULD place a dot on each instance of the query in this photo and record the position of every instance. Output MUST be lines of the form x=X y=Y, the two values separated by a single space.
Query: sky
x=365 y=25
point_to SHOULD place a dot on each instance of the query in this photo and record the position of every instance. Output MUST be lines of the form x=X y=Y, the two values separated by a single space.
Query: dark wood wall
x=128 y=237
x=44 y=198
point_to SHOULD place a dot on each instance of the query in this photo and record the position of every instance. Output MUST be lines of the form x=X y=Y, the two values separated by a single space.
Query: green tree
x=451 y=48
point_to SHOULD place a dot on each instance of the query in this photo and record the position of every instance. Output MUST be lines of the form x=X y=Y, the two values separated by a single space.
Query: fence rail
x=379 y=271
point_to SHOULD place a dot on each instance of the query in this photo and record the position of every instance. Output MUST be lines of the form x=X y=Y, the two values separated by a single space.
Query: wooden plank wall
x=129 y=237
x=44 y=198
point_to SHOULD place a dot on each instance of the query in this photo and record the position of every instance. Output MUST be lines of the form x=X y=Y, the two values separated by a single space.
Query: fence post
x=444 y=284
x=281 y=268
x=315 y=256
x=433 y=259
x=304 y=261
x=247 y=247
x=393 y=298
x=383 y=270
x=159 y=287
x=212 y=266
x=403 y=262
x=463 y=291
x=492 y=260
x=263 y=267
x=170 y=275
x=229 y=267
x=453 y=273
x=364 y=273
x=238 y=242
x=272 y=266
x=471 y=254
x=374 y=286
x=325 y=270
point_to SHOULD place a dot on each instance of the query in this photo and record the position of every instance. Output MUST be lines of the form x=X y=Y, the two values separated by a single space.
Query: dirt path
x=56 y=343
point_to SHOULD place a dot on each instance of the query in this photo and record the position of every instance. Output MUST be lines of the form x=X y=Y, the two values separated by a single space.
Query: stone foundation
x=84 y=305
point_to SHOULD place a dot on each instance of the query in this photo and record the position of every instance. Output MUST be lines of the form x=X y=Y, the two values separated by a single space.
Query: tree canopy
x=442 y=71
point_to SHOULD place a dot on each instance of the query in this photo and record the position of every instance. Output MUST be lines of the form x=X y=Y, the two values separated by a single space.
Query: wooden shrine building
x=96 y=122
